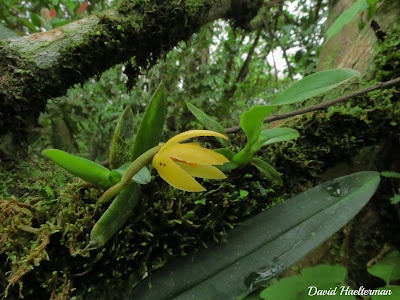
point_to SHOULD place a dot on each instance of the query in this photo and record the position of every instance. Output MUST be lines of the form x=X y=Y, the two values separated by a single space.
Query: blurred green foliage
x=221 y=70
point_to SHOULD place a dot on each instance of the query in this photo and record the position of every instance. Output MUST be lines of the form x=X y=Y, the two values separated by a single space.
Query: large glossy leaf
x=151 y=127
x=263 y=246
x=123 y=140
x=314 y=85
x=345 y=18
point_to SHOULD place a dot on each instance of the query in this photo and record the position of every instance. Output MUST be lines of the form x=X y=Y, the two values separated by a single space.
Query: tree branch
x=377 y=86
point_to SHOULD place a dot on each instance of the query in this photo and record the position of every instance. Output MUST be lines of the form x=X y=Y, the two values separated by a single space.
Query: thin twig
x=273 y=36
x=377 y=86
x=228 y=93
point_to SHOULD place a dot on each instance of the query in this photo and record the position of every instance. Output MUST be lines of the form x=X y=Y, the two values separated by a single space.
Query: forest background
x=233 y=56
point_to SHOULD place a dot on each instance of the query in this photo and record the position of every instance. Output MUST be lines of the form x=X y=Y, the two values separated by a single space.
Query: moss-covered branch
x=44 y=65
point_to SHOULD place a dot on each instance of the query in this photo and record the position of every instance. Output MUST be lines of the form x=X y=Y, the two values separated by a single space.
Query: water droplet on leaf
x=258 y=278
x=334 y=190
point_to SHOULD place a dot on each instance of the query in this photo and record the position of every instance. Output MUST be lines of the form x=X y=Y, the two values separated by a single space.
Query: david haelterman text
x=347 y=291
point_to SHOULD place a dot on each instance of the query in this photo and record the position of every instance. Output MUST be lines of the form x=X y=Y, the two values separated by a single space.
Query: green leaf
x=387 y=268
x=80 y=167
x=228 y=153
x=304 y=286
x=208 y=122
x=263 y=246
x=394 y=293
x=141 y=177
x=395 y=199
x=243 y=157
x=115 y=216
x=252 y=122
x=373 y=2
x=275 y=135
x=268 y=171
x=226 y=167
x=28 y=24
x=314 y=85
x=61 y=23
x=390 y=174
x=345 y=18
x=36 y=20
x=243 y=193
x=229 y=166
x=123 y=139
x=151 y=127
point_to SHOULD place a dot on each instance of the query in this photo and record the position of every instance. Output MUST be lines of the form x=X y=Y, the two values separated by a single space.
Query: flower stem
x=135 y=167
x=111 y=192
x=139 y=163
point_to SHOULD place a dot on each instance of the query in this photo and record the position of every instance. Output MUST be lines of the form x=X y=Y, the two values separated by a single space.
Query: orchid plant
x=176 y=162
x=232 y=272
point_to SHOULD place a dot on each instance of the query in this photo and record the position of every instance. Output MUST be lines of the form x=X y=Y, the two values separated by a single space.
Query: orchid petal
x=192 y=133
x=202 y=171
x=192 y=152
x=175 y=175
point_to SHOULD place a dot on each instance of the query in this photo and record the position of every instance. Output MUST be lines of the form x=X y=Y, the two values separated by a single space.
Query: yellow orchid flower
x=177 y=163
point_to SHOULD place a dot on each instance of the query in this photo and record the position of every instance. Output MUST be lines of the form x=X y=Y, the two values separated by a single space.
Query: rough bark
x=44 y=65
x=352 y=48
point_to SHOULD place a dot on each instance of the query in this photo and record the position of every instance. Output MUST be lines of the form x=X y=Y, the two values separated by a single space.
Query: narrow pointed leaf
x=123 y=140
x=268 y=171
x=314 y=85
x=263 y=246
x=80 y=167
x=150 y=129
x=208 y=122
x=275 y=135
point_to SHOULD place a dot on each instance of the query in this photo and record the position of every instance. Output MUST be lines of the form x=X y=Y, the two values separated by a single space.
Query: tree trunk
x=352 y=48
